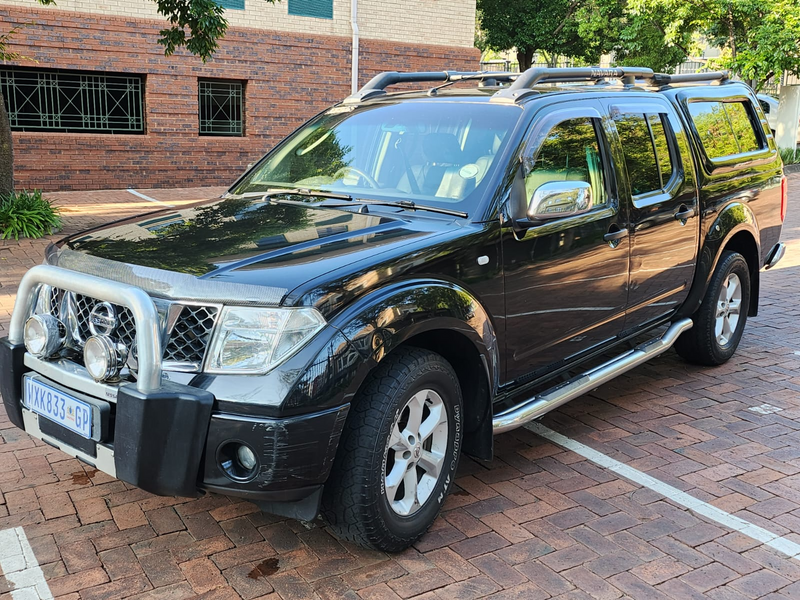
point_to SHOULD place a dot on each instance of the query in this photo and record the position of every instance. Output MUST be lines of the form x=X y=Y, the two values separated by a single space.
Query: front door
x=664 y=218
x=566 y=278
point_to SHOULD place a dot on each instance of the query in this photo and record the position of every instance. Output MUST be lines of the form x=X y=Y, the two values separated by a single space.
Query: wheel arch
x=744 y=242
x=469 y=368
x=734 y=229
x=440 y=316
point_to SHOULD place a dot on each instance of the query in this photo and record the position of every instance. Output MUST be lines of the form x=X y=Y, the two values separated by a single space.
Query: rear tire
x=720 y=320
x=403 y=431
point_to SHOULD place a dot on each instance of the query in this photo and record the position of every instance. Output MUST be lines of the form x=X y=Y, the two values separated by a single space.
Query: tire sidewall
x=443 y=382
x=733 y=263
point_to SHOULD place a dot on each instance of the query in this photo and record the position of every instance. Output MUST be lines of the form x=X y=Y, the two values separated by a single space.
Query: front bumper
x=168 y=441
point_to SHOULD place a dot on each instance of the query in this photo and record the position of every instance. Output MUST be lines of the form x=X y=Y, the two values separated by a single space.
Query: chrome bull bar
x=145 y=316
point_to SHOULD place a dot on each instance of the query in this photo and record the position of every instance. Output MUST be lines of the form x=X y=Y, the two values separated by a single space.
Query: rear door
x=659 y=185
x=566 y=278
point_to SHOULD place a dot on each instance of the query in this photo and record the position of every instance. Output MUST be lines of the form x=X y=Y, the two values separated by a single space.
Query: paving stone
x=498 y=570
x=540 y=521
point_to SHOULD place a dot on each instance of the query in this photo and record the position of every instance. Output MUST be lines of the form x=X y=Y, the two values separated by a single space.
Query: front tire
x=398 y=453
x=720 y=320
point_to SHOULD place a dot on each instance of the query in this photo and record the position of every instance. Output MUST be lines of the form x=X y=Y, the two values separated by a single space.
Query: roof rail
x=523 y=82
x=628 y=75
x=662 y=79
x=378 y=84
x=521 y=87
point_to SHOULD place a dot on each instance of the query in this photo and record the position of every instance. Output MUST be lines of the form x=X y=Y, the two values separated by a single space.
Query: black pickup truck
x=403 y=277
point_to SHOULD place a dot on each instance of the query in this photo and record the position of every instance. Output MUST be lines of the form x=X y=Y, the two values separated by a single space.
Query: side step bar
x=535 y=407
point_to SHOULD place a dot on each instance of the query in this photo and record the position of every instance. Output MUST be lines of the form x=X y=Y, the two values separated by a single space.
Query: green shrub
x=790 y=156
x=27 y=214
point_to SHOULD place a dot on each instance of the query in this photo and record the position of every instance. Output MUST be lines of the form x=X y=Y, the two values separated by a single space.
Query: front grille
x=185 y=341
x=190 y=335
x=125 y=331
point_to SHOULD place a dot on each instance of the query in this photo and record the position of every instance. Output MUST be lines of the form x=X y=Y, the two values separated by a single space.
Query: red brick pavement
x=538 y=522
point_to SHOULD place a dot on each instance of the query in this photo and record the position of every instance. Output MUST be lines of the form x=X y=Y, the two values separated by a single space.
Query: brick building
x=95 y=104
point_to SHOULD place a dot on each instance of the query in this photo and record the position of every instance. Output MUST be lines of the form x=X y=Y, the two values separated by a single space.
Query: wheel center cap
x=417 y=451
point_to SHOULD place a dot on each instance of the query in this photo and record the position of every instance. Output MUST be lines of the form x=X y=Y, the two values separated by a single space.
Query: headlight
x=255 y=340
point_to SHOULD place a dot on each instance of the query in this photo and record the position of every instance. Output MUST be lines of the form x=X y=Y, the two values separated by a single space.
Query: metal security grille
x=68 y=101
x=221 y=107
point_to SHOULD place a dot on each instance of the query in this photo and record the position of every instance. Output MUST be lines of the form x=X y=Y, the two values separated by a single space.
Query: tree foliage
x=758 y=39
x=649 y=38
x=574 y=28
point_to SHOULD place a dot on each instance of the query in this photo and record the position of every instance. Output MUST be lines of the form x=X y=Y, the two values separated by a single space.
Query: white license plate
x=65 y=410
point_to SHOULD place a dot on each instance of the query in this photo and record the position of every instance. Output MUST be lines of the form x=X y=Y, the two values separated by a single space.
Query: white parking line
x=19 y=566
x=148 y=198
x=773 y=540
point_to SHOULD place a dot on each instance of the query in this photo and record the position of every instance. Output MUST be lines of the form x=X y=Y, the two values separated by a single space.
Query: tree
x=645 y=42
x=574 y=28
x=758 y=39
x=196 y=25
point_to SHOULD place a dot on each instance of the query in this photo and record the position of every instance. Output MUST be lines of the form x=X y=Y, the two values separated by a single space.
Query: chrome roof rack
x=521 y=83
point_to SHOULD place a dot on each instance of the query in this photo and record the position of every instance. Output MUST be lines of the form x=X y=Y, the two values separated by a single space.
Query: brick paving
x=539 y=522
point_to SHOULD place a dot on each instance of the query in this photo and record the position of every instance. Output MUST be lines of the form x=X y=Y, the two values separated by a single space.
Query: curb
x=791 y=169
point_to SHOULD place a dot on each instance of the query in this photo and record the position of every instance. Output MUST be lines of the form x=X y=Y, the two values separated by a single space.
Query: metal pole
x=354 y=58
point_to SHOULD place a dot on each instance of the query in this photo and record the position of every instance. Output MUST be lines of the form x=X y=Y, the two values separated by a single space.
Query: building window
x=321 y=9
x=221 y=107
x=231 y=4
x=72 y=102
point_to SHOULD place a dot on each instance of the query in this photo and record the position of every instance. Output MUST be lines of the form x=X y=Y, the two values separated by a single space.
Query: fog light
x=247 y=458
x=43 y=335
x=103 y=358
x=238 y=461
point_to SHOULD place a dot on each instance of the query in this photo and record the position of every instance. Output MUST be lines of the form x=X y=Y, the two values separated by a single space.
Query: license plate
x=65 y=410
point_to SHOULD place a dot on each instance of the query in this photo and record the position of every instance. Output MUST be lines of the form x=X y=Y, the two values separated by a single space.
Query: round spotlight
x=103 y=358
x=43 y=335
x=238 y=461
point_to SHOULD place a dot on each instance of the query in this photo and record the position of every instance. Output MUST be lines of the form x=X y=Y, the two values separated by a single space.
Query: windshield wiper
x=347 y=198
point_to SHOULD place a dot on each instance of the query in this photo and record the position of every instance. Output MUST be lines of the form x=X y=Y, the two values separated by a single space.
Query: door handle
x=684 y=213
x=614 y=236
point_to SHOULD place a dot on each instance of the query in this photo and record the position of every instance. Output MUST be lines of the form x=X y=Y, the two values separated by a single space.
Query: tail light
x=784 y=196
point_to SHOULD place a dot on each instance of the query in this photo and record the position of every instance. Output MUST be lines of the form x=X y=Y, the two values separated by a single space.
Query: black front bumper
x=169 y=442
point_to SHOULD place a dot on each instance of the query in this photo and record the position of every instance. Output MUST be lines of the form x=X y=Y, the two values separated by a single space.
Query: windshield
x=431 y=152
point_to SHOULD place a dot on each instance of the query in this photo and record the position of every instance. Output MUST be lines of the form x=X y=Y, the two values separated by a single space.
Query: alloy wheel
x=416 y=451
x=729 y=306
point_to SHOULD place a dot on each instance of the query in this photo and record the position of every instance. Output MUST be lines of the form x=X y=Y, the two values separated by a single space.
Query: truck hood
x=241 y=241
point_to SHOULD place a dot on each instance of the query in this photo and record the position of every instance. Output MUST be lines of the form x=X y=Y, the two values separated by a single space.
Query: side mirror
x=558 y=199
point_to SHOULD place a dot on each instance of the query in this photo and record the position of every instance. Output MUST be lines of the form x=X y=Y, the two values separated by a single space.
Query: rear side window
x=725 y=128
x=570 y=152
x=646 y=150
